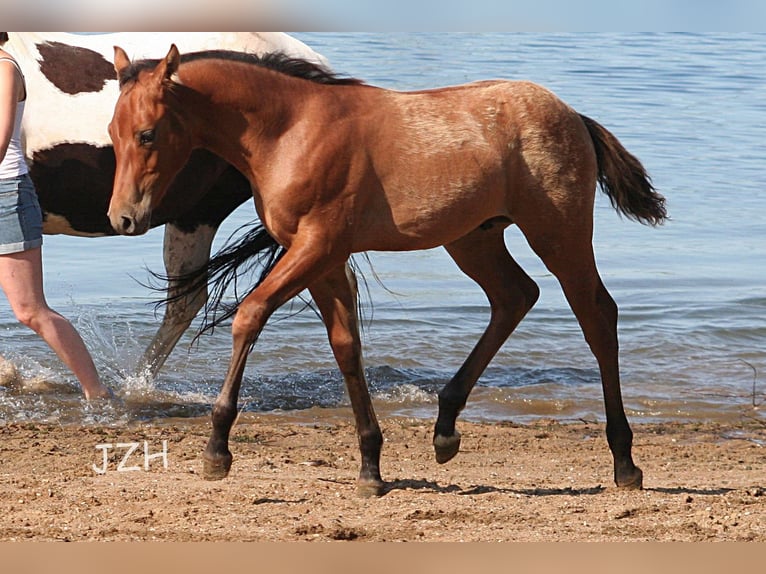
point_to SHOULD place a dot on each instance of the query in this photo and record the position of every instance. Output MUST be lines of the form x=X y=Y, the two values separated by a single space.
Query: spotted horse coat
x=72 y=87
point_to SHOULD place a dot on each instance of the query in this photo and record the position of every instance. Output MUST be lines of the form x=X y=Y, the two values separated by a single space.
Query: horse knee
x=347 y=350
x=249 y=320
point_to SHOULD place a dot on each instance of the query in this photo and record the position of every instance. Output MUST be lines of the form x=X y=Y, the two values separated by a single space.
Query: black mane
x=276 y=61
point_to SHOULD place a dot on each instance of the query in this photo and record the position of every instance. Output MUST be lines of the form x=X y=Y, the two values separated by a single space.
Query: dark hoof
x=370 y=488
x=216 y=468
x=633 y=480
x=446 y=447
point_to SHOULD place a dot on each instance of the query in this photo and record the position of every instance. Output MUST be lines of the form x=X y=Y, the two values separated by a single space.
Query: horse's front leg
x=336 y=296
x=183 y=252
x=217 y=458
x=297 y=269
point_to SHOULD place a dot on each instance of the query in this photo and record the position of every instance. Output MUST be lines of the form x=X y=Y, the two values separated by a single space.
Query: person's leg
x=21 y=278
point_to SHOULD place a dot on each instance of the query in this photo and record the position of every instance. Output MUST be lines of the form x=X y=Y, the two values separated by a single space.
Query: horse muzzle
x=127 y=223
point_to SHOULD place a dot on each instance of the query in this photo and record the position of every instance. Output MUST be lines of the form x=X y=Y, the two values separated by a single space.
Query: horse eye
x=146 y=137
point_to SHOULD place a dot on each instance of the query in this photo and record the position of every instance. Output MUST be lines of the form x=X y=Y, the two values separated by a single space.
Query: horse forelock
x=129 y=74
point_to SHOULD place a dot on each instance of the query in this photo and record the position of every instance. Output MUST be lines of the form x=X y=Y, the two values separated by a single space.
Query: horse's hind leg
x=335 y=295
x=568 y=254
x=482 y=256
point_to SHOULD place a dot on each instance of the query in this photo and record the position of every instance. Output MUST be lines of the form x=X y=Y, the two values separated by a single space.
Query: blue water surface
x=691 y=293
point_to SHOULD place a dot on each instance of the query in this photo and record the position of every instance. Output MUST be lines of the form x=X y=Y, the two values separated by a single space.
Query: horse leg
x=297 y=269
x=335 y=295
x=192 y=222
x=183 y=252
x=570 y=258
x=483 y=256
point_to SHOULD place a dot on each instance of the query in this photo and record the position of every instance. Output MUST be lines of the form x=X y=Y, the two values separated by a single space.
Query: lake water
x=691 y=293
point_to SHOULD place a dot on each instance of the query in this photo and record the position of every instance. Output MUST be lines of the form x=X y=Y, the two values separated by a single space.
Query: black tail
x=253 y=254
x=624 y=179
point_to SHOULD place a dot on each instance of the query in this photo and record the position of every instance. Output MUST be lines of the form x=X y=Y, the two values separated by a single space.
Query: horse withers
x=339 y=167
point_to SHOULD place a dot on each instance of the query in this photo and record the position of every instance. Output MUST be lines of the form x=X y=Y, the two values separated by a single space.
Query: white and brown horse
x=338 y=167
x=72 y=88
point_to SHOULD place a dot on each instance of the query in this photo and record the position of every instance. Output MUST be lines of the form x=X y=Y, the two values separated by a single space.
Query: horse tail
x=255 y=253
x=624 y=179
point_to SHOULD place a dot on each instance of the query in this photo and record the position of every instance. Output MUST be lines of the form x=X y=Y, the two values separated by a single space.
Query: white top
x=14 y=164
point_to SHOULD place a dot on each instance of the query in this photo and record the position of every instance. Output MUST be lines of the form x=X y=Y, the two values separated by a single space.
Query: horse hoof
x=631 y=481
x=446 y=447
x=370 y=488
x=216 y=468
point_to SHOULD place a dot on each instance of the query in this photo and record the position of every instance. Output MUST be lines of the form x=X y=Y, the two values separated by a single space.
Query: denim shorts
x=21 y=220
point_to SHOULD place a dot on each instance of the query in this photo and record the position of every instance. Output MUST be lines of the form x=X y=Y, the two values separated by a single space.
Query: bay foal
x=338 y=167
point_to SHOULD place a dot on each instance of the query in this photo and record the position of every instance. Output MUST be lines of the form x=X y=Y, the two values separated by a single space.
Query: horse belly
x=423 y=217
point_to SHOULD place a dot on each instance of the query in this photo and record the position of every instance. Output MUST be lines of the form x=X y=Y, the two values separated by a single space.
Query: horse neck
x=239 y=111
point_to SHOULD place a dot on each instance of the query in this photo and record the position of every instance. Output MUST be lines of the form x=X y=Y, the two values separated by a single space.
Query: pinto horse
x=72 y=88
x=338 y=167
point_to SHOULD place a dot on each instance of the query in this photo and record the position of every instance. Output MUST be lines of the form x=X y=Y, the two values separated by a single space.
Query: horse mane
x=275 y=61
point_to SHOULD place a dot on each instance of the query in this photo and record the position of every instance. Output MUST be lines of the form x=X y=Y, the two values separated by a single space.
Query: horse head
x=150 y=142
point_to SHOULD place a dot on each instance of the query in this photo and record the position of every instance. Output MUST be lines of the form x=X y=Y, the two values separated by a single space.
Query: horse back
x=467 y=154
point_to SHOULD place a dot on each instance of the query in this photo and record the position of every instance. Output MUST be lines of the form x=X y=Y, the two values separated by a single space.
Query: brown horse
x=339 y=167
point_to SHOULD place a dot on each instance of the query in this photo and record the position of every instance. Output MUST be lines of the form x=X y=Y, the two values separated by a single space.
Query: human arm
x=9 y=97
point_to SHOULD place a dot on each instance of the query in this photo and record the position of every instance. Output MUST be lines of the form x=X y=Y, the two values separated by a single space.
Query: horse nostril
x=127 y=224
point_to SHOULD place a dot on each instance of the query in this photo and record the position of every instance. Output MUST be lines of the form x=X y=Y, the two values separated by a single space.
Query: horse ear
x=121 y=60
x=171 y=62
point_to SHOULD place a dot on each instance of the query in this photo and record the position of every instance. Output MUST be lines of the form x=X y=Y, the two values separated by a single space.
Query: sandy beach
x=293 y=479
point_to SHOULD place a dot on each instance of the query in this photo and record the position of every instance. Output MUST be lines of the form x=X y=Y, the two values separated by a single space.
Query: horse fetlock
x=223 y=417
x=446 y=447
x=370 y=444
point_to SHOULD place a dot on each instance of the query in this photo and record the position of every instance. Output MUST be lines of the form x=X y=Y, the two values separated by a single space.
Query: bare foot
x=101 y=393
x=9 y=374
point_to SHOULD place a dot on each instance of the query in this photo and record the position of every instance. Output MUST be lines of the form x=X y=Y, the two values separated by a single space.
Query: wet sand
x=293 y=479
